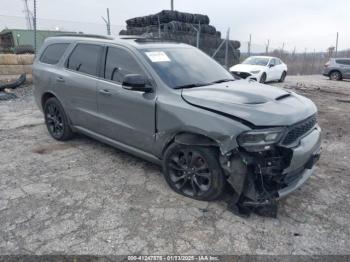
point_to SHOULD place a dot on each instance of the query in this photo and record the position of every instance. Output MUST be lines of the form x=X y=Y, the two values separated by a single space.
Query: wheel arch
x=190 y=138
x=336 y=70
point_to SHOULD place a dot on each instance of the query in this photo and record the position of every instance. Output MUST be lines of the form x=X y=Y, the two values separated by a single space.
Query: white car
x=262 y=69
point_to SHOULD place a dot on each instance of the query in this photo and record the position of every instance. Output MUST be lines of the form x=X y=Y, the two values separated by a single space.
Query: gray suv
x=337 y=69
x=171 y=104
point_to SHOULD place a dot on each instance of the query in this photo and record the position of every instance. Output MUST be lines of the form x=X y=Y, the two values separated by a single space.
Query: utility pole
x=227 y=43
x=34 y=25
x=108 y=22
x=249 y=44
x=172 y=5
x=336 y=45
x=267 y=46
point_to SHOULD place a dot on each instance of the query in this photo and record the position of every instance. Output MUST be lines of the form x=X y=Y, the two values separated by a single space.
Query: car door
x=279 y=69
x=125 y=116
x=271 y=70
x=78 y=83
x=344 y=65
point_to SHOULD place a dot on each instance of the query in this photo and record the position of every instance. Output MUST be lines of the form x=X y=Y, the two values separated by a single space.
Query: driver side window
x=120 y=63
x=273 y=62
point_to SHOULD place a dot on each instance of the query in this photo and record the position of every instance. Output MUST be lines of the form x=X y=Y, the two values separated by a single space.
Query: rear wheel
x=263 y=78
x=56 y=120
x=194 y=171
x=335 y=75
x=283 y=77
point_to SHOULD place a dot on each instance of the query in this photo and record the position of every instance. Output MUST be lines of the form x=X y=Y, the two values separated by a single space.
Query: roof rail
x=144 y=39
x=86 y=35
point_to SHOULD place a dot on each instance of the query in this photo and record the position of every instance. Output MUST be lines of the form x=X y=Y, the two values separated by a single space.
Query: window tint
x=119 y=63
x=343 y=61
x=53 y=53
x=85 y=58
x=273 y=62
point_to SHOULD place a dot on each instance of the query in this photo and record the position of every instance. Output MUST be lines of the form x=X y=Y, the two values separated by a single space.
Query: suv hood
x=247 y=68
x=258 y=104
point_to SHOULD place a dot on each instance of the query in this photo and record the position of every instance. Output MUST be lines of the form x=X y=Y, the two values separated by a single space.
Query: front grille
x=299 y=130
x=242 y=74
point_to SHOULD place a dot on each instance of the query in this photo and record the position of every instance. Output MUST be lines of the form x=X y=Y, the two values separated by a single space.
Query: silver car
x=337 y=69
x=171 y=104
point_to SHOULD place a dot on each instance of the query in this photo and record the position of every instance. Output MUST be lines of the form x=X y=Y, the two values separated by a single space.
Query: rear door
x=79 y=83
x=125 y=116
x=344 y=65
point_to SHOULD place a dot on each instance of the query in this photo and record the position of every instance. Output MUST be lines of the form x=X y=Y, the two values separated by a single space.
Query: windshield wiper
x=222 y=81
x=190 y=86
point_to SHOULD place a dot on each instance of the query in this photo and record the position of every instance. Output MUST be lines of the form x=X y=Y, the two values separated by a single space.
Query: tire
x=24 y=49
x=56 y=120
x=283 y=77
x=335 y=75
x=201 y=178
x=262 y=79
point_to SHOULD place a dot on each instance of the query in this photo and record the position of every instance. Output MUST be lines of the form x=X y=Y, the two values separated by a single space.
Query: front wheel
x=194 y=171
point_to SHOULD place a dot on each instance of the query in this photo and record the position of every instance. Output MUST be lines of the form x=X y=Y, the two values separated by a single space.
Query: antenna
x=172 y=5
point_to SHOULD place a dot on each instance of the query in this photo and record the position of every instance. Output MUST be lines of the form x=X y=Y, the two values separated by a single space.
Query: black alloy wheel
x=283 y=77
x=335 y=75
x=56 y=120
x=194 y=171
x=263 y=78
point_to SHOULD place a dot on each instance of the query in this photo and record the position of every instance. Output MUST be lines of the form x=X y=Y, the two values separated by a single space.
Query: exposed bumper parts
x=261 y=179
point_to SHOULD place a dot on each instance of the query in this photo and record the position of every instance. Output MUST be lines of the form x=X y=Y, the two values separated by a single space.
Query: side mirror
x=134 y=82
x=271 y=65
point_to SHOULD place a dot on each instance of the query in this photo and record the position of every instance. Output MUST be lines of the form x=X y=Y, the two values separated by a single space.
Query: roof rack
x=87 y=36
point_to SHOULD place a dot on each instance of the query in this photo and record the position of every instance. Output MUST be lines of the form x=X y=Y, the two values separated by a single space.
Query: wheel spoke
x=178 y=178
x=201 y=187
x=193 y=185
x=204 y=175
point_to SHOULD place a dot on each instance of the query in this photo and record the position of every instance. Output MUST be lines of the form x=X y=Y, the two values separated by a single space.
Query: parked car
x=172 y=104
x=262 y=69
x=337 y=69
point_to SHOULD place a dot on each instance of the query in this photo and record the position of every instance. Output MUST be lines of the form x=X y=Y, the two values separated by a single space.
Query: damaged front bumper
x=261 y=178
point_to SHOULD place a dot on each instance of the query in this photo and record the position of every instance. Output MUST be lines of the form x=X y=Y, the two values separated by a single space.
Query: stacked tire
x=182 y=27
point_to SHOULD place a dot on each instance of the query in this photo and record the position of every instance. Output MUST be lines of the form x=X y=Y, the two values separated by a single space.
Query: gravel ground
x=83 y=197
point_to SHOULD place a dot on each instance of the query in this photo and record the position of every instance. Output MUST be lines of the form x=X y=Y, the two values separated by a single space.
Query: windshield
x=256 y=61
x=185 y=67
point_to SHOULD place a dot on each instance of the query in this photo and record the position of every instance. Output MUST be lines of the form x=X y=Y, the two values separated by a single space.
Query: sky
x=304 y=24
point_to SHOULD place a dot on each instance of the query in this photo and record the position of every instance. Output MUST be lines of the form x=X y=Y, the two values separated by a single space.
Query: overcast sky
x=310 y=24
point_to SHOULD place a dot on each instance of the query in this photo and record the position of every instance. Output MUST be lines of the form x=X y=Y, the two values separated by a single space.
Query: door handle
x=60 y=79
x=105 y=92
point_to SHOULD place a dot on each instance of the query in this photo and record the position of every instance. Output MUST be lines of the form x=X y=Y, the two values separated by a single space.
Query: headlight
x=260 y=140
x=255 y=72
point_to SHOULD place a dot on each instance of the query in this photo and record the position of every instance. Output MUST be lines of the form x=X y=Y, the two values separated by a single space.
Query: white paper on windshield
x=157 y=57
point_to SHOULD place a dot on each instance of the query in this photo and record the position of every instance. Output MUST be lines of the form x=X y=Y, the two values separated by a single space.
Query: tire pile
x=180 y=27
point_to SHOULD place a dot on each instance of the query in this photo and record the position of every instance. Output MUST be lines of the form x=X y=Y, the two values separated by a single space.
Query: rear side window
x=53 y=53
x=343 y=61
x=85 y=59
x=119 y=63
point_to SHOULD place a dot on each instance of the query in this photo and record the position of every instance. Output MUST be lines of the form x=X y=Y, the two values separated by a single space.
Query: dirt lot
x=83 y=197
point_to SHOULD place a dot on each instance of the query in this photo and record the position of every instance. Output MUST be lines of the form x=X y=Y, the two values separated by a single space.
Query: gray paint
x=145 y=123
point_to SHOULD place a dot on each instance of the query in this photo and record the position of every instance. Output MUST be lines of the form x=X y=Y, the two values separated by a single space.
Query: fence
x=298 y=63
